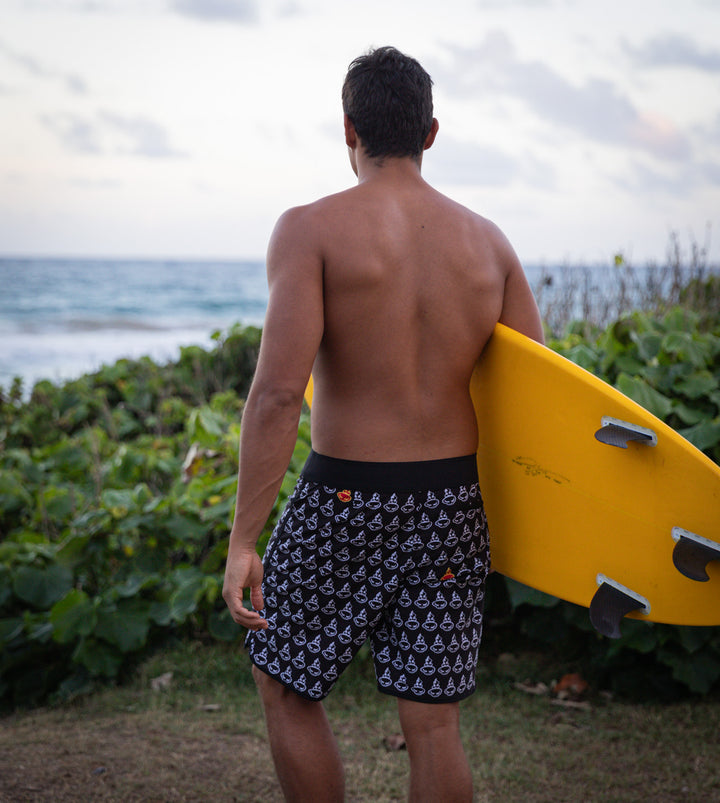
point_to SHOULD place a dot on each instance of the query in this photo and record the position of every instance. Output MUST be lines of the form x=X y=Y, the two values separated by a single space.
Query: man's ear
x=433 y=133
x=350 y=133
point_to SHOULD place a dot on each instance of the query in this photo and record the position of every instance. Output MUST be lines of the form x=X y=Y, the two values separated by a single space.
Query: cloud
x=109 y=132
x=596 y=109
x=501 y=5
x=102 y=184
x=674 y=50
x=143 y=137
x=466 y=163
x=680 y=182
x=31 y=66
x=243 y=11
x=74 y=132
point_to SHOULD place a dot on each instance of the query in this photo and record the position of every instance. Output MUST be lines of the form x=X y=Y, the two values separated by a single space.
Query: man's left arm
x=292 y=333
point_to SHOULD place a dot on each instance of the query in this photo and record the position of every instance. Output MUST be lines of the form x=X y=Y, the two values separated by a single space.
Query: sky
x=184 y=128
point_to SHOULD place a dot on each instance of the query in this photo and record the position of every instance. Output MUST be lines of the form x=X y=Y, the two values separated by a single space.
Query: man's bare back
x=413 y=284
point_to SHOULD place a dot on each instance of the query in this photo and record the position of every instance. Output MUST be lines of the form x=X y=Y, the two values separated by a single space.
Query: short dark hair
x=388 y=98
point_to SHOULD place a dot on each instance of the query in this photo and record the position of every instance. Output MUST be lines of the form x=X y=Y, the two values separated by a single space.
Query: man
x=388 y=293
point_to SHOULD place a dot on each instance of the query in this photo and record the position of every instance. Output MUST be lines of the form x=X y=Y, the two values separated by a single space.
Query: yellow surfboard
x=589 y=497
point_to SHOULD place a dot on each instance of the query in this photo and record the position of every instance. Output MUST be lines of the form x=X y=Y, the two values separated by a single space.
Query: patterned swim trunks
x=394 y=552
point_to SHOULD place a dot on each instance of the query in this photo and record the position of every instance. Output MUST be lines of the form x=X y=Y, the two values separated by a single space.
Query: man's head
x=388 y=98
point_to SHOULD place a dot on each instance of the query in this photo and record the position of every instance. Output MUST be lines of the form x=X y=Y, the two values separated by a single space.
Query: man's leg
x=306 y=755
x=439 y=769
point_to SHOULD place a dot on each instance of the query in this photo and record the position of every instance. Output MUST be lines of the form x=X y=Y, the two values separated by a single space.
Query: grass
x=602 y=294
x=203 y=738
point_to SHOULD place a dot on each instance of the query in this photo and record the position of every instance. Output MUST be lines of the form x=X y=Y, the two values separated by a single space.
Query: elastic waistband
x=422 y=475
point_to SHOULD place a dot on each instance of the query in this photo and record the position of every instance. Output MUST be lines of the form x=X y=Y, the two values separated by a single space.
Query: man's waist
x=398 y=477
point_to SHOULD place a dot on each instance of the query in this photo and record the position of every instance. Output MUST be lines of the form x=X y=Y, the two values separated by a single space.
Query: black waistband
x=422 y=475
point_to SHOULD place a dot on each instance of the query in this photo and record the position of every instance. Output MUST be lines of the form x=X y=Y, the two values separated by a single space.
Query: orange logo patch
x=448 y=574
x=344 y=496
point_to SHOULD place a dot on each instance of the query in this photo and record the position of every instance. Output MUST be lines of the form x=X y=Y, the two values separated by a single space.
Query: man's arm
x=291 y=336
x=520 y=310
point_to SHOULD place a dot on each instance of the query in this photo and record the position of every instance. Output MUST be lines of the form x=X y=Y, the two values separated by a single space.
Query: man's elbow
x=270 y=398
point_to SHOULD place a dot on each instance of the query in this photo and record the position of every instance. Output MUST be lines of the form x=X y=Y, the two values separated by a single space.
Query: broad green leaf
x=118 y=502
x=160 y=613
x=698 y=672
x=688 y=415
x=693 y=638
x=100 y=659
x=638 y=389
x=5 y=584
x=648 y=345
x=638 y=636
x=205 y=426
x=222 y=626
x=60 y=502
x=697 y=385
x=628 y=363
x=215 y=559
x=218 y=510
x=10 y=629
x=185 y=528
x=135 y=583
x=13 y=495
x=125 y=625
x=583 y=356
x=704 y=435
x=42 y=587
x=687 y=348
x=521 y=594
x=72 y=616
x=72 y=549
x=184 y=600
x=39 y=631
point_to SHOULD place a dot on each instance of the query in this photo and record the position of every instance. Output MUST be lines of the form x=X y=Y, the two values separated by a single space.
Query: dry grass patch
x=132 y=744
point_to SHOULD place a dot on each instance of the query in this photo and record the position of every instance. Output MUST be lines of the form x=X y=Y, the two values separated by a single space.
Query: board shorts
x=396 y=553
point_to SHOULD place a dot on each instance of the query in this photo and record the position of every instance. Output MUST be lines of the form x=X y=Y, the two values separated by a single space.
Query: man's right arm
x=291 y=336
x=520 y=310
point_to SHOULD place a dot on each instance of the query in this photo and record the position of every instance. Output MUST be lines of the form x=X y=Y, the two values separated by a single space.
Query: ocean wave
x=105 y=324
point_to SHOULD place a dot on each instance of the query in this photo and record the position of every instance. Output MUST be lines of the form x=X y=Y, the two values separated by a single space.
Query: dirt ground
x=131 y=747
x=130 y=758
x=68 y=756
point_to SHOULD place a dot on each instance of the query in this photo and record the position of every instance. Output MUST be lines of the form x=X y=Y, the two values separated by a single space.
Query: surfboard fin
x=611 y=603
x=617 y=433
x=692 y=554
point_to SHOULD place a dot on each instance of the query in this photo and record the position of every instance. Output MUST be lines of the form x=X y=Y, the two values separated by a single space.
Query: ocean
x=61 y=318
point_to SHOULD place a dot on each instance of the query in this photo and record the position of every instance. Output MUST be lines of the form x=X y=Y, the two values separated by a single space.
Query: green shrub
x=116 y=497
x=117 y=491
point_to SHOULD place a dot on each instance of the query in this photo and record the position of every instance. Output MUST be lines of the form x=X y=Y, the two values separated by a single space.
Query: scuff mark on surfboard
x=533 y=469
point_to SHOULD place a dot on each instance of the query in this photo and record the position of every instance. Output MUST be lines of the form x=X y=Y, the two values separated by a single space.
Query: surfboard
x=589 y=497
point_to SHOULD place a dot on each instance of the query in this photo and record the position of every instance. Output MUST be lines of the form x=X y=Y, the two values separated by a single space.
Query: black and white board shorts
x=396 y=553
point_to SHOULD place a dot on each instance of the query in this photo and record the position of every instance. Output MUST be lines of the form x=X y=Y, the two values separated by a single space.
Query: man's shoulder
x=317 y=210
x=473 y=222
x=325 y=202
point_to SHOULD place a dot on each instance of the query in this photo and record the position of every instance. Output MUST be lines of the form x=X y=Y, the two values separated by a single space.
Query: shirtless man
x=388 y=293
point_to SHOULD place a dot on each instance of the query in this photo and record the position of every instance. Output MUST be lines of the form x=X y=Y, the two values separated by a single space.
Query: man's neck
x=388 y=169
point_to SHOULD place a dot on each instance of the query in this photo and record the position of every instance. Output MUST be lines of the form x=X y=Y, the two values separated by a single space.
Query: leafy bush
x=116 y=497
x=117 y=491
x=670 y=365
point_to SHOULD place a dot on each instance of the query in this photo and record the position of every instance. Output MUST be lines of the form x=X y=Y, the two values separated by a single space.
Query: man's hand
x=244 y=570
